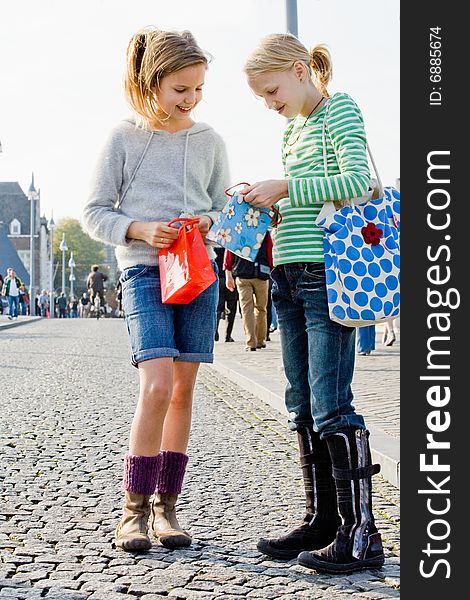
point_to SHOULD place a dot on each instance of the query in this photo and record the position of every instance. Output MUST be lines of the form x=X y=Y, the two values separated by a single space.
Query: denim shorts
x=184 y=332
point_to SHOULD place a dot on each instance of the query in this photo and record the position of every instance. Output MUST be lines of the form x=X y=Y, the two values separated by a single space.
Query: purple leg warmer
x=141 y=473
x=171 y=474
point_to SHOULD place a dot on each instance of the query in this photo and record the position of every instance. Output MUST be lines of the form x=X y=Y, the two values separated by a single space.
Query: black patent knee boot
x=358 y=544
x=321 y=520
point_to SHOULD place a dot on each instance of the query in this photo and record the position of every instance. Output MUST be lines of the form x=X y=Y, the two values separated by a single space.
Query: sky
x=62 y=62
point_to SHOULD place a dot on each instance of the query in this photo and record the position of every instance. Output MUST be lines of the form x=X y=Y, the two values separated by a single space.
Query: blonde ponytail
x=322 y=67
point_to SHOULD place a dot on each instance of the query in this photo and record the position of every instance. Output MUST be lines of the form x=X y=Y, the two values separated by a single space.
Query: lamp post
x=51 y=226
x=63 y=248
x=291 y=22
x=72 y=276
x=291 y=17
x=32 y=197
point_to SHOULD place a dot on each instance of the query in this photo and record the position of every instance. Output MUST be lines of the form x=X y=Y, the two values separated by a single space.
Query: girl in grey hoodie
x=156 y=167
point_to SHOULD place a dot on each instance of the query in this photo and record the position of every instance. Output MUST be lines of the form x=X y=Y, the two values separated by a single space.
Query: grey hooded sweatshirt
x=178 y=173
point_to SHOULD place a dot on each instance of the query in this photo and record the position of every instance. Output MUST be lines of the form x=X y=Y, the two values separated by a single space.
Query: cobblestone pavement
x=68 y=399
x=376 y=383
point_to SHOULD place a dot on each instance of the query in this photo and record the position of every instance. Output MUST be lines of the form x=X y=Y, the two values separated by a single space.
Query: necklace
x=303 y=125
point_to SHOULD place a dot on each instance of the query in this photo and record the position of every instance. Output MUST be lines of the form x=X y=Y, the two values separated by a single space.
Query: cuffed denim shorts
x=184 y=332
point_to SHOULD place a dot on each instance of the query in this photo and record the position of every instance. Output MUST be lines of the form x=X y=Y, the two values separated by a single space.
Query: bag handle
x=275 y=219
x=186 y=222
x=234 y=186
x=325 y=161
x=379 y=181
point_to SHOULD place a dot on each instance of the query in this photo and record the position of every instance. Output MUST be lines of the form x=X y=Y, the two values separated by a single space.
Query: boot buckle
x=355 y=474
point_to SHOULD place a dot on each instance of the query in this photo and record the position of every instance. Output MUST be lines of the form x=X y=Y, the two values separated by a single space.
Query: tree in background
x=86 y=252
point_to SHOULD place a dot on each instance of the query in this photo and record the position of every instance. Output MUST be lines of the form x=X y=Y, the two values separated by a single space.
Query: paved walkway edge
x=385 y=448
x=20 y=321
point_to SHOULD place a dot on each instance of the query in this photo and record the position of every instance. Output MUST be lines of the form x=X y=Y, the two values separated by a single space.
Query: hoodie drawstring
x=185 y=199
x=121 y=197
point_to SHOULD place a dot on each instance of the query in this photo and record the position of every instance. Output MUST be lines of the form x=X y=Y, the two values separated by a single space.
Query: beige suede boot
x=164 y=524
x=140 y=479
x=131 y=532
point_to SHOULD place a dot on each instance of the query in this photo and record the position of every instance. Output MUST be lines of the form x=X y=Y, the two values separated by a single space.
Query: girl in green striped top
x=338 y=533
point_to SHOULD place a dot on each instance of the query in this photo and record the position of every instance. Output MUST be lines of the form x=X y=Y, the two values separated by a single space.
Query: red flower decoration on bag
x=371 y=234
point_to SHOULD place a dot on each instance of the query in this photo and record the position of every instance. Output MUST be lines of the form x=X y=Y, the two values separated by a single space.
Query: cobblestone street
x=69 y=394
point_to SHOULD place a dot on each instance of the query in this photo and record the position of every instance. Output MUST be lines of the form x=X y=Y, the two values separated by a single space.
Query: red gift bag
x=185 y=268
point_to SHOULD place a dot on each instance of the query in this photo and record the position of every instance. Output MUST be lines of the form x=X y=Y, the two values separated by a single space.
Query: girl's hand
x=154 y=233
x=205 y=223
x=265 y=194
x=230 y=281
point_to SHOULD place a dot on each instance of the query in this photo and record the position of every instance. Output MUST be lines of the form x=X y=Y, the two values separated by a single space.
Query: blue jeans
x=366 y=338
x=13 y=303
x=318 y=354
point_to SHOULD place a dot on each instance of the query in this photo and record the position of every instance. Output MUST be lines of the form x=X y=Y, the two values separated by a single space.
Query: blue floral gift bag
x=241 y=227
x=362 y=260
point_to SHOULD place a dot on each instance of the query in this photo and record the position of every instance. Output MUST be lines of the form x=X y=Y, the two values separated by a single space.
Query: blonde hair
x=151 y=55
x=279 y=52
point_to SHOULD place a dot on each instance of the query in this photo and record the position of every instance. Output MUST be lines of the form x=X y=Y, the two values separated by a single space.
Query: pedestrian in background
x=84 y=305
x=73 y=307
x=182 y=170
x=271 y=313
x=389 y=337
x=62 y=305
x=37 y=306
x=119 y=311
x=365 y=340
x=24 y=300
x=1 y=294
x=338 y=534
x=228 y=300
x=11 y=289
x=95 y=284
x=43 y=303
x=251 y=281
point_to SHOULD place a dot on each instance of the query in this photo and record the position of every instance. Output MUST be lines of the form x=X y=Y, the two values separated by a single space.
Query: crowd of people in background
x=244 y=287
x=15 y=300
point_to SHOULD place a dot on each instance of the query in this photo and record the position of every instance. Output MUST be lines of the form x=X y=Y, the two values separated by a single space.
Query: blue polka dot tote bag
x=362 y=261
x=361 y=242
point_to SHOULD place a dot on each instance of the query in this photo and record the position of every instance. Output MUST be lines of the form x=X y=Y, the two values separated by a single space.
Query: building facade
x=15 y=216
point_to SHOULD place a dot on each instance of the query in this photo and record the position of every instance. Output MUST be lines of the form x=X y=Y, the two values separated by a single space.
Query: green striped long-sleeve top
x=297 y=238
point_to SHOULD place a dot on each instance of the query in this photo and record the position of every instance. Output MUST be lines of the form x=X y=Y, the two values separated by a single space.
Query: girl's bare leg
x=156 y=384
x=177 y=423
